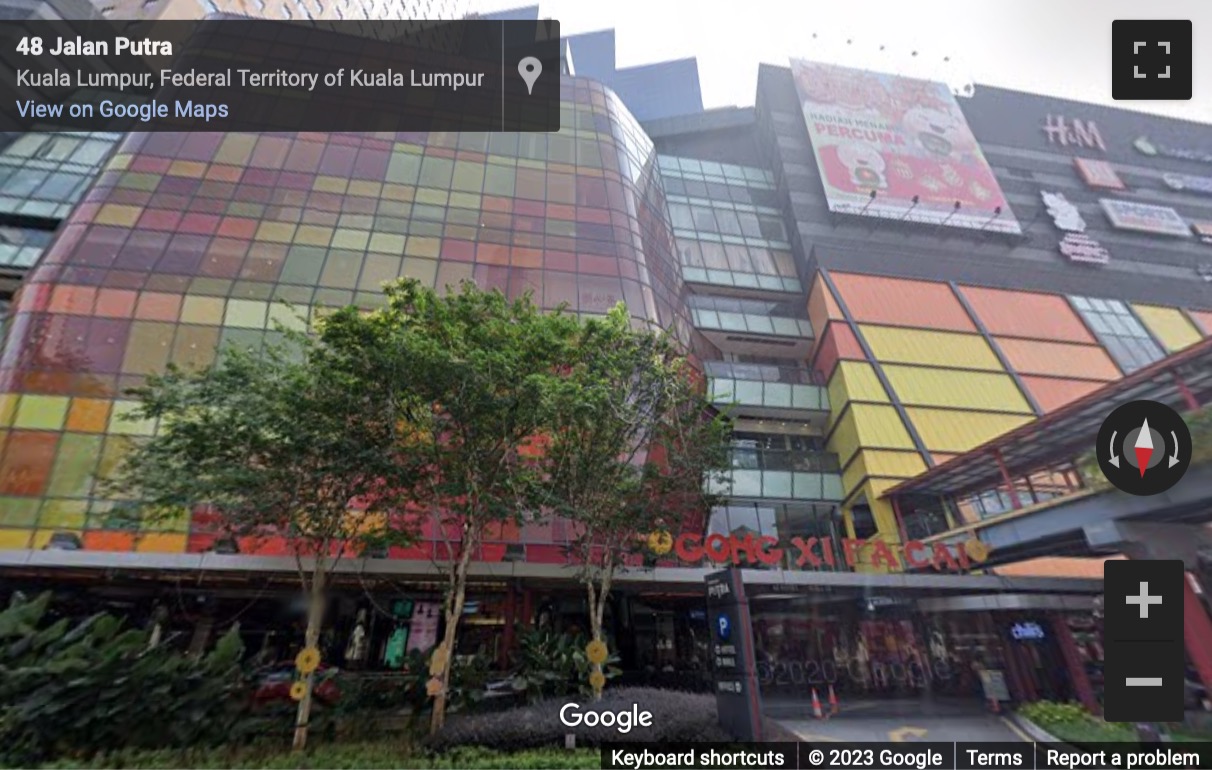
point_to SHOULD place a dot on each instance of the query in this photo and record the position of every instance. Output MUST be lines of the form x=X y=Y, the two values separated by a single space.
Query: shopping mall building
x=877 y=276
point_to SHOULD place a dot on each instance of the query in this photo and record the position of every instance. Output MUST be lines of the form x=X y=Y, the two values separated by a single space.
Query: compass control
x=1144 y=447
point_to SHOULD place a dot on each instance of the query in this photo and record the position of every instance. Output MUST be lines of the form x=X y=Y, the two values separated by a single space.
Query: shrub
x=555 y=665
x=676 y=716
x=76 y=690
x=1048 y=714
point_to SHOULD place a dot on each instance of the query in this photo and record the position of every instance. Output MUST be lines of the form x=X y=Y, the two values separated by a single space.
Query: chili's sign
x=819 y=552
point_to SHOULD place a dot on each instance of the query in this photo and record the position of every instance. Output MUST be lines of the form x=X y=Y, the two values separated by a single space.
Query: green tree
x=299 y=441
x=483 y=371
x=634 y=449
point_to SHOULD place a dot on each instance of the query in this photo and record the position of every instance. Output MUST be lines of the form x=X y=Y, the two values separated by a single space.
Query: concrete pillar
x=1073 y=664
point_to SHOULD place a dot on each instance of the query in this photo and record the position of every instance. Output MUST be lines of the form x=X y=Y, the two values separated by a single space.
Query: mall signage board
x=819 y=553
x=1073 y=132
x=1098 y=173
x=1145 y=217
x=1189 y=183
x=1027 y=630
x=1076 y=244
x=738 y=698
x=897 y=148
x=1146 y=146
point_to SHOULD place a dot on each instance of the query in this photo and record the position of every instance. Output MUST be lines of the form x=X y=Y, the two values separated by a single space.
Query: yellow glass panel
x=187 y=168
x=160 y=542
x=951 y=430
x=289 y=317
x=15 y=539
x=424 y=270
x=330 y=184
x=1169 y=325
x=365 y=188
x=246 y=314
x=116 y=214
x=354 y=240
x=8 y=407
x=63 y=514
x=387 y=243
x=855 y=381
x=313 y=235
x=956 y=388
x=41 y=412
x=202 y=310
x=236 y=149
x=432 y=197
x=933 y=348
x=88 y=415
x=419 y=246
x=123 y=422
x=275 y=232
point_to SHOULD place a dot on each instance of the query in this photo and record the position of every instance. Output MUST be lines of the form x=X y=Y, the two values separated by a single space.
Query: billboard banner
x=1188 y=183
x=1145 y=218
x=906 y=141
x=1098 y=173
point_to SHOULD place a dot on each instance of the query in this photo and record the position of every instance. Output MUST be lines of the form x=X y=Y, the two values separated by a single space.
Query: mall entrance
x=873 y=649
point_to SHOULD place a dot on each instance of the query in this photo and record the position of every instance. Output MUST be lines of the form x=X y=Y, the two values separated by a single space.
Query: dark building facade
x=855 y=351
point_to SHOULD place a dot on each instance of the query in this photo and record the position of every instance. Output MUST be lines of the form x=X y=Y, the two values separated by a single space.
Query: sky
x=1054 y=47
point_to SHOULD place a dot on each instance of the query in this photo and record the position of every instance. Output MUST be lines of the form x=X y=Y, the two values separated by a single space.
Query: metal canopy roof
x=1070 y=430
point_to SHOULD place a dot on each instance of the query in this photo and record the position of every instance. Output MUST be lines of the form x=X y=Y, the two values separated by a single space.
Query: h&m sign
x=1073 y=132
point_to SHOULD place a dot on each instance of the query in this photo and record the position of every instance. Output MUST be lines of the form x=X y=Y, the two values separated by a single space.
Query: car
x=273 y=684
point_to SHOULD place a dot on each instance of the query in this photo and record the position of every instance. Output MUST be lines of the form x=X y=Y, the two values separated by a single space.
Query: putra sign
x=819 y=552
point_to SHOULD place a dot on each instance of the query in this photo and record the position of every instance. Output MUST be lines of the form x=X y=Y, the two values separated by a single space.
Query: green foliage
x=278 y=442
x=553 y=665
x=72 y=690
x=379 y=754
x=1071 y=723
x=635 y=444
x=468 y=680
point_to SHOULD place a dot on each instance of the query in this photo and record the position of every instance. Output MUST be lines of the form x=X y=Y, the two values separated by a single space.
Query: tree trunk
x=454 y=611
x=598 y=596
x=315 y=622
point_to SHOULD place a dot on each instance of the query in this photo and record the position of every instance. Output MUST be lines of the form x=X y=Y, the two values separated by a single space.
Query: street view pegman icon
x=1144 y=447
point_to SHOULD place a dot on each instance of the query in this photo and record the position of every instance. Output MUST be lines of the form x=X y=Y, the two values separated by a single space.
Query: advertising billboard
x=1098 y=173
x=897 y=148
x=1145 y=218
x=1189 y=183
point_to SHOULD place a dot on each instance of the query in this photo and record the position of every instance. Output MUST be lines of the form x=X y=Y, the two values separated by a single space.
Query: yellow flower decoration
x=308 y=660
x=660 y=542
x=977 y=550
x=298 y=690
x=433 y=687
x=596 y=652
x=437 y=661
x=597 y=680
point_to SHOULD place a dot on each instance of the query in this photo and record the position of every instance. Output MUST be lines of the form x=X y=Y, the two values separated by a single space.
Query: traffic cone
x=834 y=708
x=816 y=706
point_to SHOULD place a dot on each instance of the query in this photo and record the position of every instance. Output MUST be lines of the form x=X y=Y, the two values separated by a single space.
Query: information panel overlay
x=230 y=73
x=925 y=755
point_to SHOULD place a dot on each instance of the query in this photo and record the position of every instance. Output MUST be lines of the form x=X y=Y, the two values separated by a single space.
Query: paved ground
x=898 y=720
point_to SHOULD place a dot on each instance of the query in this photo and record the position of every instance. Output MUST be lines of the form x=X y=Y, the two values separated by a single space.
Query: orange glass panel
x=88 y=415
x=109 y=541
x=1025 y=314
x=27 y=462
x=822 y=307
x=76 y=300
x=1203 y=319
x=1052 y=392
x=115 y=303
x=158 y=306
x=837 y=342
x=1060 y=359
x=899 y=302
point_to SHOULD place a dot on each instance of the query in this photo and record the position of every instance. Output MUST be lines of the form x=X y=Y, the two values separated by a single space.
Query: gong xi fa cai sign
x=819 y=552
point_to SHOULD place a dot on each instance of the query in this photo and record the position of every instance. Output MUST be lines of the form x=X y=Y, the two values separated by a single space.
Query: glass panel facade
x=1122 y=334
x=186 y=242
x=728 y=227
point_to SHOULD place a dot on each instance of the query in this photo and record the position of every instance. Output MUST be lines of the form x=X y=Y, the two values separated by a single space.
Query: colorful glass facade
x=920 y=371
x=188 y=242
